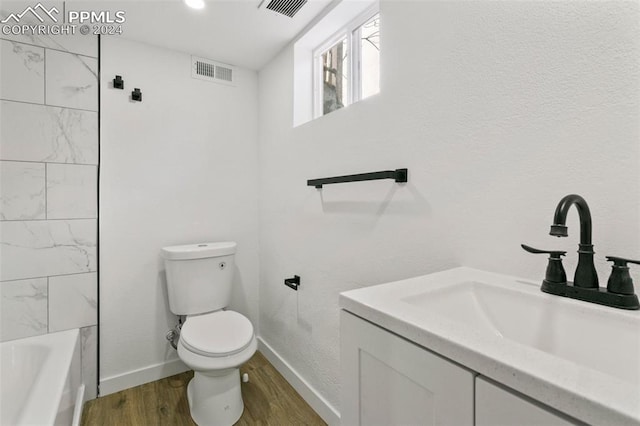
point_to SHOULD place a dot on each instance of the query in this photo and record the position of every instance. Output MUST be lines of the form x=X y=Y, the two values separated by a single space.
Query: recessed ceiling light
x=195 y=4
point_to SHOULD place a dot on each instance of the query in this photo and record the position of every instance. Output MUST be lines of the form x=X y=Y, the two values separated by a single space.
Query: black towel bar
x=399 y=175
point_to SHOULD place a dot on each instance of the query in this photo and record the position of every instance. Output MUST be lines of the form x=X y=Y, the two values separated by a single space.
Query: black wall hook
x=118 y=82
x=136 y=95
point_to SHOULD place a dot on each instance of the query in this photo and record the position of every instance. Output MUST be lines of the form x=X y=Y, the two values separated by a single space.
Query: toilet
x=214 y=342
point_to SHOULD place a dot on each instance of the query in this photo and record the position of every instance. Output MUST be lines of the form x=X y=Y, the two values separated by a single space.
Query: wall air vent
x=285 y=7
x=206 y=69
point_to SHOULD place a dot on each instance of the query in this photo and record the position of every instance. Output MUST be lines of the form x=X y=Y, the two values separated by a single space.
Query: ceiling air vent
x=286 y=7
x=206 y=69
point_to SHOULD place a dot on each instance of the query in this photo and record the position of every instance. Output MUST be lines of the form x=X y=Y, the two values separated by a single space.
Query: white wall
x=178 y=168
x=498 y=109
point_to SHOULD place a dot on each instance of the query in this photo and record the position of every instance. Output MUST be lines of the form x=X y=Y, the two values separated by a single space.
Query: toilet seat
x=213 y=366
x=217 y=334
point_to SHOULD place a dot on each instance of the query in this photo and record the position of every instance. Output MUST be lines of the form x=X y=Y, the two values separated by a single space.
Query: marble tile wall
x=48 y=190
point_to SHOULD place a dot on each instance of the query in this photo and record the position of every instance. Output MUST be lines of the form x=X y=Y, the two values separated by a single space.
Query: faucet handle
x=554 y=254
x=620 y=261
x=555 y=275
x=620 y=281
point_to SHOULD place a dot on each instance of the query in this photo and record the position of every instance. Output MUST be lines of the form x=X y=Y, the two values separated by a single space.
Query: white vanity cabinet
x=387 y=380
x=463 y=346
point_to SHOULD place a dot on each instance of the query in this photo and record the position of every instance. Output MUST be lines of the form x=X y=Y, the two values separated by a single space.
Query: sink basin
x=580 y=358
x=607 y=341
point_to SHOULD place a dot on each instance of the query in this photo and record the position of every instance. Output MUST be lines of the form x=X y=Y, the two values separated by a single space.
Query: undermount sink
x=580 y=358
x=604 y=340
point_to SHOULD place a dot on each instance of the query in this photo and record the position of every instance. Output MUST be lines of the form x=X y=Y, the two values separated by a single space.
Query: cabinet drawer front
x=496 y=406
x=388 y=380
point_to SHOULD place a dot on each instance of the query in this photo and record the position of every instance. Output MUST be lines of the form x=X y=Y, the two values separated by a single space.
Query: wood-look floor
x=268 y=400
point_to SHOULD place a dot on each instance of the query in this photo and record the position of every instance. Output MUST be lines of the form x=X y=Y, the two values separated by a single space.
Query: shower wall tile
x=22 y=70
x=22 y=190
x=44 y=248
x=89 y=344
x=23 y=308
x=71 y=191
x=48 y=189
x=72 y=80
x=83 y=45
x=49 y=134
x=73 y=301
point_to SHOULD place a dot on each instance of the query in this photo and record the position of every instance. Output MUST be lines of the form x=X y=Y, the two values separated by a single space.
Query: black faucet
x=619 y=292
x=585 y=276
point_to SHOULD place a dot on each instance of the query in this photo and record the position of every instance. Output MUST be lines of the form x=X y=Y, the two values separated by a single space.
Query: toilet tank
x=199 y=276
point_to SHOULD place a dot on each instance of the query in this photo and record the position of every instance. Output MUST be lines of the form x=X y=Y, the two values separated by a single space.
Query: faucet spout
x=585 y=275
x=559 y=228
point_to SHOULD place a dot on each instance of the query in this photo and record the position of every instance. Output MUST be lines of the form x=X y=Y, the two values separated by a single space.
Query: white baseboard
x=141 y=376
x=321 y=406
x=133 y=378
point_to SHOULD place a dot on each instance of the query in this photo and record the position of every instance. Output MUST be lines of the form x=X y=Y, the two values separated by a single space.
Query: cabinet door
x=387 y=380
x=496 y=406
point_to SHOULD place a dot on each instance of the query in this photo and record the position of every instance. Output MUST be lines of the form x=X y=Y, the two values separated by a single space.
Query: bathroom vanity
x=465 y=347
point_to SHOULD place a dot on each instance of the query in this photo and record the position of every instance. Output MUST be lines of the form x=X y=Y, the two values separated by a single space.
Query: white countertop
x=581 y=392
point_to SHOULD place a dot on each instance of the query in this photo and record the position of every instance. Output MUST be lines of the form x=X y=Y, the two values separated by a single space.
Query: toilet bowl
x=214 y=346
x=214 y=342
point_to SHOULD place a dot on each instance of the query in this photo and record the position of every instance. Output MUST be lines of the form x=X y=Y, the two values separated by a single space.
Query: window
x=336 y=62
x=334 y=79
x=347 y=65
x=369 y=39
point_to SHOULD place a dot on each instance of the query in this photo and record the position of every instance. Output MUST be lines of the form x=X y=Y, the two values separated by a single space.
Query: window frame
x=354 y=92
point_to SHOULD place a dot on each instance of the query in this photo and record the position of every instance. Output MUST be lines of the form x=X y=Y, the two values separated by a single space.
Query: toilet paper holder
x=293 y=283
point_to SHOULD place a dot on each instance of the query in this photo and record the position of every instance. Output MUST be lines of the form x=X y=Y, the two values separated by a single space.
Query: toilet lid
x=220 y=333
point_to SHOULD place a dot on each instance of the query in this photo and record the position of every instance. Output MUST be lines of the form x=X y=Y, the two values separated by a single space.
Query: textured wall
x=498 y=109
x=178 y=168
x=48 y=190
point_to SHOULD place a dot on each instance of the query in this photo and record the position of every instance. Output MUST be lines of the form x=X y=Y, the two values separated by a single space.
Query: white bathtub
x=40 y=380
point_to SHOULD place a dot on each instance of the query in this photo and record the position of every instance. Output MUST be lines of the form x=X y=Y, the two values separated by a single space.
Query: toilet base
x=215 y=400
